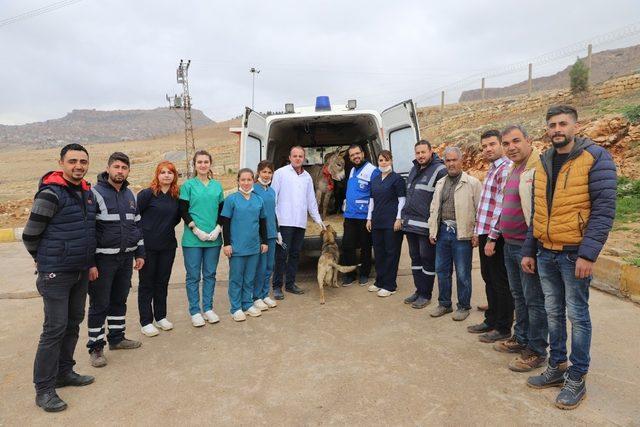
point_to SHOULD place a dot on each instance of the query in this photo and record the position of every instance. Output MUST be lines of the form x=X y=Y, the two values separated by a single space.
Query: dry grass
x=22 y=168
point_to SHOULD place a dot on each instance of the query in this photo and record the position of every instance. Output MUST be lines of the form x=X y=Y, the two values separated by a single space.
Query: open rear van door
x=253 y=139
x=401 y=132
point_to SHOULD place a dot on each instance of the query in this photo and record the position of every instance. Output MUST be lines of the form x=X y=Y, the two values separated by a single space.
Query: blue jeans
x=531 y=318
x=242 y=272
x=564 y=293
x=286 y=265
x=449 y=252
x=265 y=270
x=200 y=263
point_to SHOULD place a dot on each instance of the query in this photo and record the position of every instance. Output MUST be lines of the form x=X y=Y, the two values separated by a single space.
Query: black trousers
x=108 y=299
x=153 y=283
x=500 y=312
x=423 y=263
x=286 y=266
x=387 y=245
x=356 y=236
x=64 y=295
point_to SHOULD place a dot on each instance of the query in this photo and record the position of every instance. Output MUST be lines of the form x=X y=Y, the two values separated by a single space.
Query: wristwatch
x=491 y=239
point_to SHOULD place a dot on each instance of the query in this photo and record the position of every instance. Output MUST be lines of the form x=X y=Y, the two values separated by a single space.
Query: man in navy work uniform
x=119 y=239
x=356 y=208
x=427 y=169
x=60 y=236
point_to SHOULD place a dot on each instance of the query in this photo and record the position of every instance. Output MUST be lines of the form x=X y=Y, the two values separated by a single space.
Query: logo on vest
x=131 y=204
x=51 y=275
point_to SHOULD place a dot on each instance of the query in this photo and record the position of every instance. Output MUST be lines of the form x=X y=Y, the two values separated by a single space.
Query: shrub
x=579 y=77
x=632 y=113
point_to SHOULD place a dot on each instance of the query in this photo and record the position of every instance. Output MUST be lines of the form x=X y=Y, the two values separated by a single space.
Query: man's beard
x=560 y=144
x=117 y=178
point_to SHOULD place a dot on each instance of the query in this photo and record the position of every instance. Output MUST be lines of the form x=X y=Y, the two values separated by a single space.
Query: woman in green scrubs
x=201 y=200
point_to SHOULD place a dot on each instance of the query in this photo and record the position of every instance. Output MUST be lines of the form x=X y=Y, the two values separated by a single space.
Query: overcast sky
x=122 y=54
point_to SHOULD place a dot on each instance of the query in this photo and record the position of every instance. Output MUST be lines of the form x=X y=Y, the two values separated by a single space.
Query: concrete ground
x=358 y=360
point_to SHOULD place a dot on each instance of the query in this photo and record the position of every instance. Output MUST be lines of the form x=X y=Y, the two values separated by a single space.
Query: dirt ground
x=358 y=360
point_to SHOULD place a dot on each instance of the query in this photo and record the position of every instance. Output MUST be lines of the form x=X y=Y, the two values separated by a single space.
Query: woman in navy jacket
x=159 y=211
x=388 y=191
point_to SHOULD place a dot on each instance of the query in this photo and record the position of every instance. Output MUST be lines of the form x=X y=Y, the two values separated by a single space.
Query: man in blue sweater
x=60 y=236
x=119 y=240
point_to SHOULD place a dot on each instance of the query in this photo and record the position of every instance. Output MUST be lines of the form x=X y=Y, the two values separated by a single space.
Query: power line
x=37 y=12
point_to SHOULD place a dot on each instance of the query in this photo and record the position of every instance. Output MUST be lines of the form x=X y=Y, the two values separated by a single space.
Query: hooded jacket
x=578 y=215
x=60 y=233
x=118 y=227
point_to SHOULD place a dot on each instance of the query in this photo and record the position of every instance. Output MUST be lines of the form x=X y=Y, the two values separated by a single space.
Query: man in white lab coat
x=295 y=197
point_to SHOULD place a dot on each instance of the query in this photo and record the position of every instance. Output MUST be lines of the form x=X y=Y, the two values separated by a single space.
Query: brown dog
x=328 y=266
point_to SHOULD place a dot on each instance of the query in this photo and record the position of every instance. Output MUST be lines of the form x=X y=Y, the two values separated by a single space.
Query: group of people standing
x=539 y=222
x=88 y=240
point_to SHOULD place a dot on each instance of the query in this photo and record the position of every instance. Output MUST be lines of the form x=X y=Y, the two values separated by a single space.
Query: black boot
x=74 y=379
x=294 y=289
x=277 y=294
x=552 y=377
x=572 y=393
x=50 y=401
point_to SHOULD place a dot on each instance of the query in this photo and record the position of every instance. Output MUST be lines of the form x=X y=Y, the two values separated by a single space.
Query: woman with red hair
x=159 y=212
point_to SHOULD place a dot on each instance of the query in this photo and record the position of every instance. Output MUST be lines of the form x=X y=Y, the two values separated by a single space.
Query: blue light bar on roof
x=322 y=103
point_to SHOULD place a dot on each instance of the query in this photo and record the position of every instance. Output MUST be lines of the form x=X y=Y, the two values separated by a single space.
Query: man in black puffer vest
x=119 y=240
x=60 y=236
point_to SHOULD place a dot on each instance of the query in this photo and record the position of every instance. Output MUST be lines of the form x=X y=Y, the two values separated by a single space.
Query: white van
x=321 y=129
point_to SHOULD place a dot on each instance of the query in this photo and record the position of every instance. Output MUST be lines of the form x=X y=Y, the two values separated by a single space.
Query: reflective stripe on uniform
x=420 y=224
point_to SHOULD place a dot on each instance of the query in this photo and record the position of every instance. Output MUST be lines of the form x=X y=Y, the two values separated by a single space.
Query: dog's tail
x=344 y=268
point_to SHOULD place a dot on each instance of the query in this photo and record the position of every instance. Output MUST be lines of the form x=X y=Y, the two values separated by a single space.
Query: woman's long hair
x=155 y=183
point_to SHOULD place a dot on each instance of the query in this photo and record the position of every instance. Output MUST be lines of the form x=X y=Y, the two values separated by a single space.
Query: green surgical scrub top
x=204 y=201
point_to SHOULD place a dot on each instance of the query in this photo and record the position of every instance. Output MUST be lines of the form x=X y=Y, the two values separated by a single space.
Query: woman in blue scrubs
x=244 y=230
x=388 y=192
x=262 y=284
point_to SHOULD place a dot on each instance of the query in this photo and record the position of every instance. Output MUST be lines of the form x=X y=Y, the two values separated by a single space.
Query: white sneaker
x=253 y=311
x=385 y=293
x=164 y=324
x=270 y=303
x=260 y=305
x=197 y=320
x=150 y=330
x=239 y=316
x=373 y=288
x=211 y=317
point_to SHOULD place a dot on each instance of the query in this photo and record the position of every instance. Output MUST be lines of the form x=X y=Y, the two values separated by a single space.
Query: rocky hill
x=600 y=110
x=93 y=126
x=604 y=66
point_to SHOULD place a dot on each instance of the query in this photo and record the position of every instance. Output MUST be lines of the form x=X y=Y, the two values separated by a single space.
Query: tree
x=579 y=76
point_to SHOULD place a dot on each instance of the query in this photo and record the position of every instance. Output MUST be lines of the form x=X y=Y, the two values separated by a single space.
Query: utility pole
x=482 y=89
x=589 y=54
x=183 y=102
x=530 y=81
x=253 y=72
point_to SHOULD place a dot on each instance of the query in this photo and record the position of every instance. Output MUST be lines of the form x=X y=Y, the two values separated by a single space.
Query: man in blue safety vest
x=356 y=207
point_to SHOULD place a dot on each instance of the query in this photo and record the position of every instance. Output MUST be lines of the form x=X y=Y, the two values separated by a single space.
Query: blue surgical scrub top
x=385 y=193
x=269 y=199
x=245 y=222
